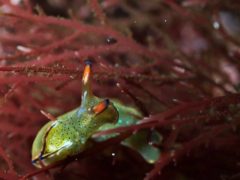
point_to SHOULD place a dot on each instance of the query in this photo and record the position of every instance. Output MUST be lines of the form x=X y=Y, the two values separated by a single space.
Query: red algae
x=177 y=61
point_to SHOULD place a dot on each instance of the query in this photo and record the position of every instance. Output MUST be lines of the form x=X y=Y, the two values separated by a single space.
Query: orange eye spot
x=101 y=106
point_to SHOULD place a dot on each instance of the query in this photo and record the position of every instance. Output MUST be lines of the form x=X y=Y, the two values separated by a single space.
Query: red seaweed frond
x=176 y=61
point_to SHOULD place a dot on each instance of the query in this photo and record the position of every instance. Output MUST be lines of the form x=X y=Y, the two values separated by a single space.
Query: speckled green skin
x=69 y=134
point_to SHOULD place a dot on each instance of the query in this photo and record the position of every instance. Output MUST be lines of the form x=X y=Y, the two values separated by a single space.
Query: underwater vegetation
x=167 y=73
